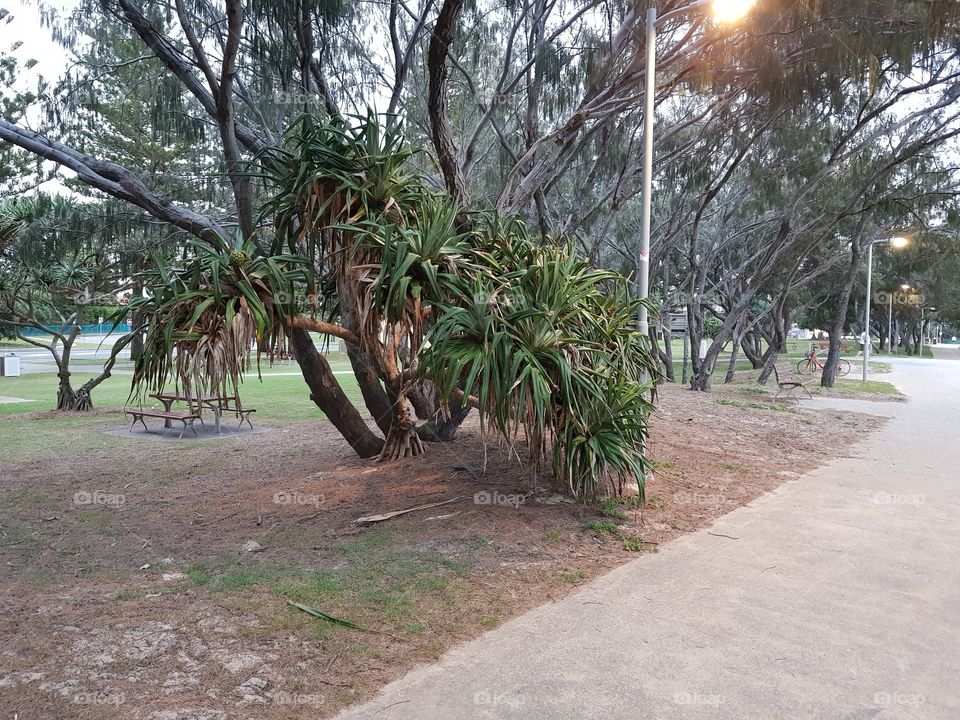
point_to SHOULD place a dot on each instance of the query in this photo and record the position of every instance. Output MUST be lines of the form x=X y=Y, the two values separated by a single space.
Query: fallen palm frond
x=371 y=519
x=320 y=615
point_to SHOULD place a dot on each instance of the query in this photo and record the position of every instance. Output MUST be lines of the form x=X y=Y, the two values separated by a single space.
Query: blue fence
x=101 y=329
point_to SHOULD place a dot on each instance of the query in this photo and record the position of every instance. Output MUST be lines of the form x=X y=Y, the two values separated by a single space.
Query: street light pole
x=643 y=260
x=866 y=315
x=897 y=242
x=724 y=11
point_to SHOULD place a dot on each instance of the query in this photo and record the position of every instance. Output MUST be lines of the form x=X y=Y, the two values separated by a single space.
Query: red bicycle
x=812 y=364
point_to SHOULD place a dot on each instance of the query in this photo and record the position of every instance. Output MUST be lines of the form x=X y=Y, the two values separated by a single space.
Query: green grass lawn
x=278 y=399
x=277 y=396
x=870 y=387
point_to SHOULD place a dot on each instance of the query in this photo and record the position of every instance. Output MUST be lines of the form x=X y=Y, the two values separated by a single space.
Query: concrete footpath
x=837 y=596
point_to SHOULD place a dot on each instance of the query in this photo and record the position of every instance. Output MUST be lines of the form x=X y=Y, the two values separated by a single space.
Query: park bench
x=788 y=382
x=186 y=418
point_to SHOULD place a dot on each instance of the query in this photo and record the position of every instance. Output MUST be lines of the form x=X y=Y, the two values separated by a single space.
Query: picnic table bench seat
x=187 y=419
x=244 y=415
x=233 y=405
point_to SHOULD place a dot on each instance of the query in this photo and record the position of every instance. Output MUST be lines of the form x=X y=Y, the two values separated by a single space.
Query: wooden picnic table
x=216 y=403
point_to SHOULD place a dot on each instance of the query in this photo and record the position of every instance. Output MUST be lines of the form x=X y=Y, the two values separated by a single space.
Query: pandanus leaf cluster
x=546 y=347
x=208 y=318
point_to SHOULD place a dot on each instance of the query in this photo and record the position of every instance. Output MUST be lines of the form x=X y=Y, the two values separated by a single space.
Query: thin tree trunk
x=829 y=377
x=778 y=343
x=668 y=330
x=686 y=357
x=440 y=132
x=655 y=350
x=732 y=366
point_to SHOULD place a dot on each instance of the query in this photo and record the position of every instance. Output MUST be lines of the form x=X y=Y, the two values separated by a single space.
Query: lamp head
x=904 y=287
x=732 y=10
x=899 y=242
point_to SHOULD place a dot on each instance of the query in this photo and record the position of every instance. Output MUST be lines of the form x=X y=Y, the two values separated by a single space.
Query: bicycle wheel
x=805 y=367
x=843 y=367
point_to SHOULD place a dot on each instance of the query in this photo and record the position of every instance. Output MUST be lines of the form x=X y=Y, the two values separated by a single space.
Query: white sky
x=37 y=43
x=23 y=25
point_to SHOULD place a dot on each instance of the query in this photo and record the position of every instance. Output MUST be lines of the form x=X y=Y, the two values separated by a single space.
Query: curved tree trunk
x=71 y=400
x=658 y=353
x=445 y=430
x=423 y=397
x=731 y=324
x=778 y=341
x=79 y=400
x=701 y=379
x=374 y=396
x=749 y=343
x=326 y=392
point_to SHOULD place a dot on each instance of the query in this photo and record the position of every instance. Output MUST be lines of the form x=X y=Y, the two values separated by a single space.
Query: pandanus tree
x=360 y=248
x=379 y=238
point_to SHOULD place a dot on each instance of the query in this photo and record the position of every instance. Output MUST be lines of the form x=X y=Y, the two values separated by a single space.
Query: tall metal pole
x=866 y=313
x=643 y=261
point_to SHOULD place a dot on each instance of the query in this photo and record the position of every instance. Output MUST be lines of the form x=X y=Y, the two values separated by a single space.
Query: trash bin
x=9 y=366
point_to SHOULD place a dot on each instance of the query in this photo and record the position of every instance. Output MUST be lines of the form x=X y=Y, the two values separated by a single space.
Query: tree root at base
x=401 y=443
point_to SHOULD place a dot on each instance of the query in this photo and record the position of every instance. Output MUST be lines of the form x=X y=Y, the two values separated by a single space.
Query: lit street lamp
x=723 y=11
x=895 y=242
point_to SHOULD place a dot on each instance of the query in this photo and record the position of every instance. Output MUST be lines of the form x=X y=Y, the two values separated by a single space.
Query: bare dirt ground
x=128 y=591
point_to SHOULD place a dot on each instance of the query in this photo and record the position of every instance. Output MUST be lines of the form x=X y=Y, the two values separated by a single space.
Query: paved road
x=839 y=599
x=946 y=352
